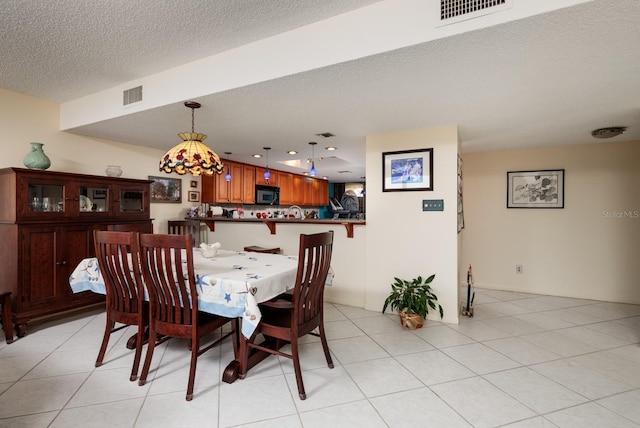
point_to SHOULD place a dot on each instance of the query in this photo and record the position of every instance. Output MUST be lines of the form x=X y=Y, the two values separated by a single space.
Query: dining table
x=230 y=284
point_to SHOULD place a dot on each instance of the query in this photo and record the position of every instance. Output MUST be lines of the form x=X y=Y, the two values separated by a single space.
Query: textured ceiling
x=545 y=80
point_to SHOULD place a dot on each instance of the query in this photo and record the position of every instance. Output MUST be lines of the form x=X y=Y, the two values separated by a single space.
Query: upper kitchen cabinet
x=285 y=182
x=239 y=190
x=271 y=181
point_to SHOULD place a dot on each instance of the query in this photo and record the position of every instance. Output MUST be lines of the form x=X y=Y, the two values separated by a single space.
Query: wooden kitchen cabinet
x=239 y=190
x=285 y=182
x=273 y=177
x=47 y=221
x=248 y=184
x=295 y=189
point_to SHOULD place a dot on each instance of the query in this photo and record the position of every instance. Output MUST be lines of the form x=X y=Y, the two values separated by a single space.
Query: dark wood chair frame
x=258 y=249
x=117 y=254
x=7 y=316
x=186 y=227
x=169 y=282
x=291 y=316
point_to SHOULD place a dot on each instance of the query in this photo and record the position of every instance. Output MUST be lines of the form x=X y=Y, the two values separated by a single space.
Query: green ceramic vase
x=36 y=159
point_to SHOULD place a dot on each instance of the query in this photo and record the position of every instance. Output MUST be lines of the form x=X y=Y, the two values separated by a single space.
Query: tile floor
x=523 y=360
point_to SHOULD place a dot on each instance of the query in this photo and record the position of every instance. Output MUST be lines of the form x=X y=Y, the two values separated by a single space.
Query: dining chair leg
x=105 y=339
x=297 y=369
x=138 y=354
x=195 y=347
x=325 y=346
x=7 y=322
x=148 y=357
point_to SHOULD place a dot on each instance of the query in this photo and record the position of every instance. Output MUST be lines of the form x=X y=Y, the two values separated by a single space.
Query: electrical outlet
x=519 y=269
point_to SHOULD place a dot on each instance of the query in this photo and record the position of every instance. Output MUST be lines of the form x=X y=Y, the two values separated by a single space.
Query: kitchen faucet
x=298 y=213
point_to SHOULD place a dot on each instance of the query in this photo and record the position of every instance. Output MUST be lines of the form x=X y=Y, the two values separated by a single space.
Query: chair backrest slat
x=123 y=284
x=314 y=260
x=167 y=262
x=185 y=227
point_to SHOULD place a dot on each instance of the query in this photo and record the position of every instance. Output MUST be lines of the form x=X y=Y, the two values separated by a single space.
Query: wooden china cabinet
x=47 y=220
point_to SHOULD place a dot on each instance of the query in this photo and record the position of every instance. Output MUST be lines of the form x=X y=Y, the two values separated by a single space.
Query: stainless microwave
x=267 y=195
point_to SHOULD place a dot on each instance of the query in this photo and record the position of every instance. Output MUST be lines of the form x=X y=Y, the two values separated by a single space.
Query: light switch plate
x=433 y=205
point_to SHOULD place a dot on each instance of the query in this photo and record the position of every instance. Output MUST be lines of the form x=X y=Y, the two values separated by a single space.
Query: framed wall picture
x=407 y=170
x=193 y=184
x=165 y=189
x=460 y=208
x=535 y=189
x=194 y=196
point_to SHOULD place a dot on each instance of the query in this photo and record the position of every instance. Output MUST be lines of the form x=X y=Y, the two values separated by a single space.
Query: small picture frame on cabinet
x=194 y=196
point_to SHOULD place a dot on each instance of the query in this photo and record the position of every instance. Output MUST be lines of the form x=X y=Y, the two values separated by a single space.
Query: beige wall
x=402 y=240
x=347 y=261
x=590 y=249
x=25 y=119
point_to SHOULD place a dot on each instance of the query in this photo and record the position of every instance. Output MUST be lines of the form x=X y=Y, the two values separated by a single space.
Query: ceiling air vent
x=132 y=95
x=457 y=10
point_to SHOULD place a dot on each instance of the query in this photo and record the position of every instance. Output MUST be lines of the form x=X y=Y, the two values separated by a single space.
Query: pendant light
x=191 y=155
x=312 y=171
x=227 y=176
x=267 y=174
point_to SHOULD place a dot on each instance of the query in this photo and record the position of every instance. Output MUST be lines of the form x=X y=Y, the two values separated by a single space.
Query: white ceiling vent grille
x=458 y=10
x=132 y=95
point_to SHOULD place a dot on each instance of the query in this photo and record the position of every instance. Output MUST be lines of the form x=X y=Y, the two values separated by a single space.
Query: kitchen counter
x=271 y=223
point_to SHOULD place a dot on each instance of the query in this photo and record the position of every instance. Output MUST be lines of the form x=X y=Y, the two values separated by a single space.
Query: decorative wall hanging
x=194 y=196
x=460 y=210
x=407 y=170
x=535 y=189
x=166 y=189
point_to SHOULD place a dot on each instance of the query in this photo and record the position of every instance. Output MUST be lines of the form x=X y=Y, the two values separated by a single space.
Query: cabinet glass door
x=46 y=198
x=131 y=201
x=94 y=199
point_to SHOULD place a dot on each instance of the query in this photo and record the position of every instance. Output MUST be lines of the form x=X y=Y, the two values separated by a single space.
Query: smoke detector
x=612 y=131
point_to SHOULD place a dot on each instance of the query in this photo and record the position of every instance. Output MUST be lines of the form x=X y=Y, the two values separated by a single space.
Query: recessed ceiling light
x=292 y=152
x=609 y=132
x=330 y=148
x=257 y=155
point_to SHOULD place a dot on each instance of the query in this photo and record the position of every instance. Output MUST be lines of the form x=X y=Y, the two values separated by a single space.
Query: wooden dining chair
x=131 y=227
x=167 y=269
x=117 y=253
x=291 y=316
x=186 y=227
x=7 y=316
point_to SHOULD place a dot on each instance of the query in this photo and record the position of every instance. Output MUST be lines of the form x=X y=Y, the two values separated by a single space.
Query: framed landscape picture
x=407 y=170
x=165 y=189
x=535 y=189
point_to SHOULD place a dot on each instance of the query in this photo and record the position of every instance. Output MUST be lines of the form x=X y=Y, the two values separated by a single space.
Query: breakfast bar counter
x=271 y=223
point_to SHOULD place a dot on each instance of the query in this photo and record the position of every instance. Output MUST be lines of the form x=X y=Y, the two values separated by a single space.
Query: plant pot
x=410 y=320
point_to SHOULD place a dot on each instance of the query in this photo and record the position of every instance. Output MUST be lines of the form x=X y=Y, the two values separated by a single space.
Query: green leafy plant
x=413 y=296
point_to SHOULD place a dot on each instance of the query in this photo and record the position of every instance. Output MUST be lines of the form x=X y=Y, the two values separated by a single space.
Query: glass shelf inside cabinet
x=131 y=201
x=94 y=199
x=46 y=198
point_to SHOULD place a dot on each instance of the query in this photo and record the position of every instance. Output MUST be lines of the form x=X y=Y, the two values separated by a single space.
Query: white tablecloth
x=230 y=284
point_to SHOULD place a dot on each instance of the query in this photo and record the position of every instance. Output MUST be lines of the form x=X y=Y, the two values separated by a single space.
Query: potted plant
x=412 y=299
